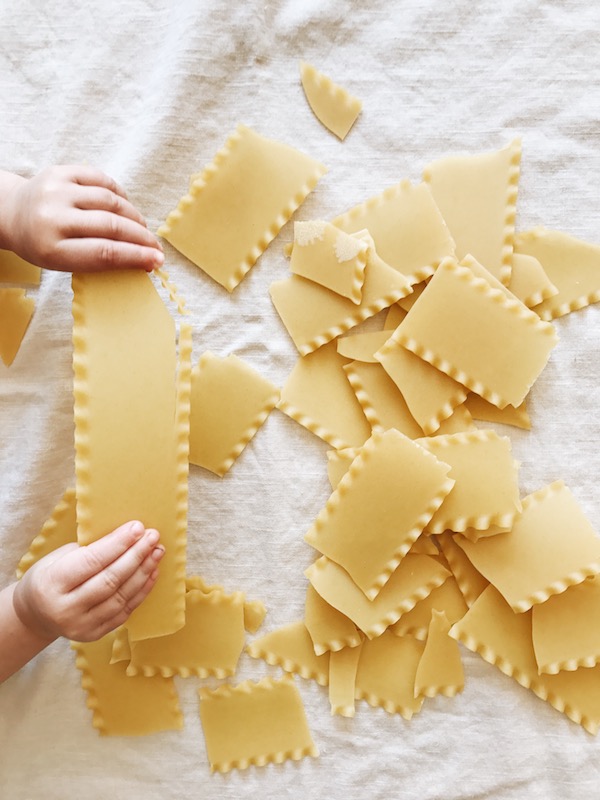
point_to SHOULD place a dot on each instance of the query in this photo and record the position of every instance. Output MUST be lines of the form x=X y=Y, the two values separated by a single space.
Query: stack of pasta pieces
x=425 y=539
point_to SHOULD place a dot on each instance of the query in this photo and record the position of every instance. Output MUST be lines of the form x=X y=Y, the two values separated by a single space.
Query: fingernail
x=153 y=536
x=159 y=259
x=137 y=529
x=158 y=552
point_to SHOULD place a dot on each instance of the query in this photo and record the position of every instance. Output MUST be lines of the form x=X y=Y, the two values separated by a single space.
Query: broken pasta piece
x=373 y=517
x=223 y=224
x=512 y=562
x=268 y=720
x=59 y=529
x=329 y=629
x=229 y=403
x=477 y=197
x=332 y=105
x=292 y=649
x=16 y=310
x=440 y=669
x=343 y=665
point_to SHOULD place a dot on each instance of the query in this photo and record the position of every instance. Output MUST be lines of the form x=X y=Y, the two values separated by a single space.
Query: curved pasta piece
x=230 y=401
x=332 y=105
x=528 y=280
x=509 y=415
x=447 y=598
x=59 y=529
x=223 y=225
x=477 y=196
x=372 y=519
x=291 y=648
x=470 y=582
x=254 y=723
x=329 y=629
x=571 y=264
x=16 y=310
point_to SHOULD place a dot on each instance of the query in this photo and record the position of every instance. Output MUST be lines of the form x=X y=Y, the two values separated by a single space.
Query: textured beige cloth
x=148 y=91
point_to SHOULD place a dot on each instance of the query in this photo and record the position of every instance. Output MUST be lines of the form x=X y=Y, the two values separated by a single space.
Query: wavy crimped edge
x=406 y=604
x=246 y=687
x=314 y=427
x=362 y=396
x=431 y=425
x=482 y=522
x=535 y=298
x=172 y=291
x=460 y=576
x=510 y=214
x=515 y=307
x=217 y=596
x=350 y=321
x=450 y=690
x=505 y=666
x=411 y=536
x=347 y=711
x=566 y=308
x=568 y=665
x=202 y=180
x=93 y=702
x=376 y=701
x=31 y=556
x=247 y=435
x=80 y=411
x=334 y=90
x=255 y=651
x=335 y=645
x=412 y=630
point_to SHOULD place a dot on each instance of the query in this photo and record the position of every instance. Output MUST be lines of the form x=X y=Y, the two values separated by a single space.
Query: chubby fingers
x=96 y=254
x=90 y=176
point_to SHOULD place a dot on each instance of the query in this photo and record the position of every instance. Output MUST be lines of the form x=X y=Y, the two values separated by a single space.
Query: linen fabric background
x=148 y=91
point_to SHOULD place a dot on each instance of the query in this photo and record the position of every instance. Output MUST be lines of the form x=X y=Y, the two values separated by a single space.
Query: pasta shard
x=292 y=649
x=318 y=396
x=564 y=636
x=486 y=490
x=380 y=399
x=470 y=582
x=224 y=224
x=329 y=257
x=373 y=517
x=59 y=529
x=132 y=445
x=473 y=332
x=124 y=706
x=430 y=395
x=362 y=346
x=477 y=197
x=414 y=579
x=512 y=563
x=572 y=265
x=407 y=228
x=509 y=415
x=16 y=310
x=528 y=280
x=447 y=598
x=329 y=629
x=210 y=642
x=504 y=638
x=230 y=401
x=331 y=315
x=440 y=669
x=343 y=666
x=386 y=674
x=332 y=105
x=268 y=720
x=14 y=269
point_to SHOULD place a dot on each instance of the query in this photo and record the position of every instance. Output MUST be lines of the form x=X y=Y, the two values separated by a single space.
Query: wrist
x=18 y=644
x=35 y=632
x=9 y=185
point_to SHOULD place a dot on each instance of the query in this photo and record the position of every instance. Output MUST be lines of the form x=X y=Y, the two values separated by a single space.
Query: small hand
x=82 y=593
x=77 y=219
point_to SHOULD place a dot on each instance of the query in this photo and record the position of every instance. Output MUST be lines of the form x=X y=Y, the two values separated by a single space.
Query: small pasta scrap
x=59 y=529
x=440 y=670
x=16 y=311
x=332 y=105
x=267 y=717
x=291 y=648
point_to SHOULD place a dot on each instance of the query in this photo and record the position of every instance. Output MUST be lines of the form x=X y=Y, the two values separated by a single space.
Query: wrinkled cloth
x=148 y=91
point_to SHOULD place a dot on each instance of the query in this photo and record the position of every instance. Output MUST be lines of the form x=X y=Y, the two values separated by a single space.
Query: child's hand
x=77 y=219
x=82 y=593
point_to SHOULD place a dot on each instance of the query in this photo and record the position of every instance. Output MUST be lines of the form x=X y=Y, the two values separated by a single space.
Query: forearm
x=8 y=183
x=18 y=644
